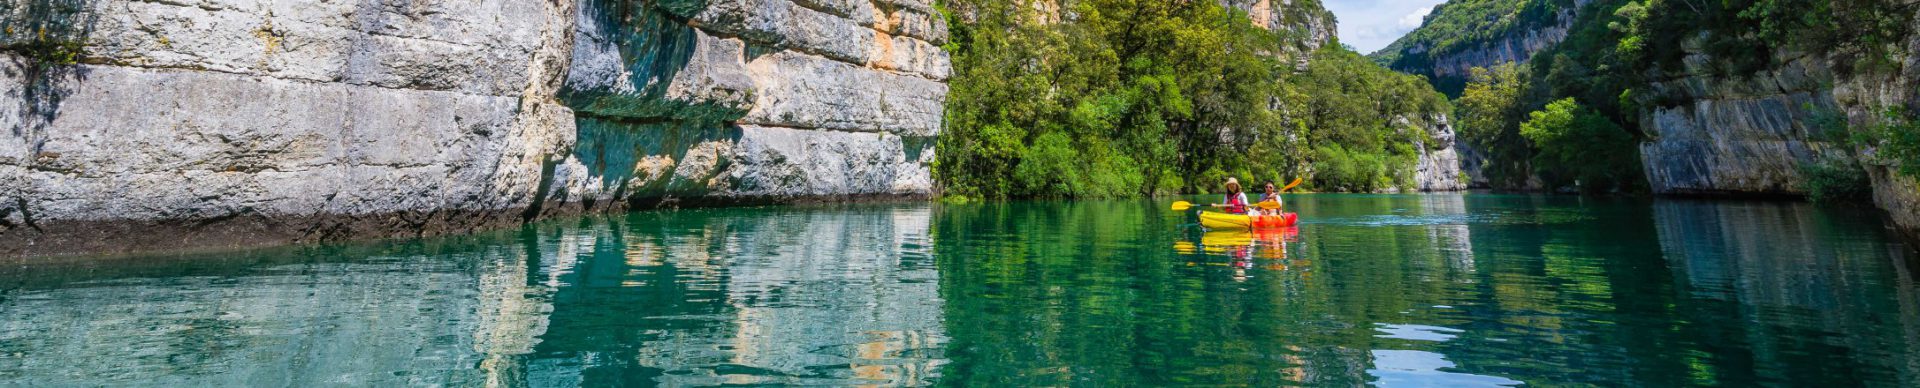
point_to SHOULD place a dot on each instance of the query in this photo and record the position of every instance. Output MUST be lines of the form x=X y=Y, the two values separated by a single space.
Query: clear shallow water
x=1409 y=290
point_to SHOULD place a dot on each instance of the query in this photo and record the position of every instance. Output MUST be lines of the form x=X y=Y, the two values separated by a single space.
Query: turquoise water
x=1394 y=290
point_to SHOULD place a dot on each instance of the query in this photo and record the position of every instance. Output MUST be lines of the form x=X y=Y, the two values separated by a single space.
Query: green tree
x=1490 y=110
x=1578 y=147
x=1142 y=97
x=1363 y=121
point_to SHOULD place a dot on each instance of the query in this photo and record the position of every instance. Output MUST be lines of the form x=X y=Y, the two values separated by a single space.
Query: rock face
x=1449 y=67
x=1439 y=167
x=753 y=99
x=219 y=123
x=1863 y=98
x=1304 y=22
x=1517 y=46
x=1742 y=135
x=1750 y=134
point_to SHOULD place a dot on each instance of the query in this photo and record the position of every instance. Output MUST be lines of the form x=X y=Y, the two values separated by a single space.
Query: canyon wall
x=1751 y=134
x=1440 y=167
x=1515 y=46
x=136 y=125
x=1450 y=66
x=1738 y=135
x=1711 y=133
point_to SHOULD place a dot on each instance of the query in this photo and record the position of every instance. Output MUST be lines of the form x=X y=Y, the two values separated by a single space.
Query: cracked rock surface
x=231 y=123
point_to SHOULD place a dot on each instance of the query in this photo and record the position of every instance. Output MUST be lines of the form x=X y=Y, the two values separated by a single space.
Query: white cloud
x=1368 y=25
x=1412 y=20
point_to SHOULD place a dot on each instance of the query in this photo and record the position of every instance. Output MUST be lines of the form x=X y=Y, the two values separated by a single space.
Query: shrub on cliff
x=1894 y=141
x=1864 y=34
x=1834 y=182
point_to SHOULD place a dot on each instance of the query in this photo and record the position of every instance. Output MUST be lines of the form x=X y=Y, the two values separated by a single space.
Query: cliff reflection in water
x=710 y=297
x=1818 y=296
x=1381 y=289
x=697 y=297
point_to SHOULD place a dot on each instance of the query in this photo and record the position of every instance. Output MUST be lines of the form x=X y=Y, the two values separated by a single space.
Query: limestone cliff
x=1737 y=135
x=1439 y=167
x=1305 y=24
x=136 y=125
x=1455 y=38
x=1710 y=133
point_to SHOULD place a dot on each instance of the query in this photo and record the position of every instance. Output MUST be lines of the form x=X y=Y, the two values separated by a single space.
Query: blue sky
x=1368 y=25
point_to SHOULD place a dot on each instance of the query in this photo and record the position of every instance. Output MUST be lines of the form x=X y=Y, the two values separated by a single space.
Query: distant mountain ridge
x=1463 y=34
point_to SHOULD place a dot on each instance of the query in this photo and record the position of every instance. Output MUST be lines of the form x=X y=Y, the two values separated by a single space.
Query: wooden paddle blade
x=1181 y=205
x=1296 y=182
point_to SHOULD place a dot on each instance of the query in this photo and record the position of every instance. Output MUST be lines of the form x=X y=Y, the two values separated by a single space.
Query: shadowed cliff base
x=52 y=239
x=55 y=241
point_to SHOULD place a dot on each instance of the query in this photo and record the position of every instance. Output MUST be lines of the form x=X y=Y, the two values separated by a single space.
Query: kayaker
x=1236 y=200
x=1272 y=194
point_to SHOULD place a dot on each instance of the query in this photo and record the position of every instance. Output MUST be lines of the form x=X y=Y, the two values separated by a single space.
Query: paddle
x=1274 y=205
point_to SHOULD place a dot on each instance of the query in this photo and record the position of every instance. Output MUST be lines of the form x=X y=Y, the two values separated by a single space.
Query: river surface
x=1392 y=290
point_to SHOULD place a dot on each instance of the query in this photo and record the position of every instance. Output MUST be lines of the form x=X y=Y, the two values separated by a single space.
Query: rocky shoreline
x=241 y=123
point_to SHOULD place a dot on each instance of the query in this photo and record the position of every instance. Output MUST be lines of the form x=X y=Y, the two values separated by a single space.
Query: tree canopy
x=1142 y=97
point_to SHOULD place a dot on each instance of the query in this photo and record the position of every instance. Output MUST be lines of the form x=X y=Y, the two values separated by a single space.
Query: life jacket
x=1235 y=204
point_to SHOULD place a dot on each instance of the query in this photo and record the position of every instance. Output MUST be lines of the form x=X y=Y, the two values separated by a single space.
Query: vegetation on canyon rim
x=1134 y=97
x=1145 y=97
x=1615 y=50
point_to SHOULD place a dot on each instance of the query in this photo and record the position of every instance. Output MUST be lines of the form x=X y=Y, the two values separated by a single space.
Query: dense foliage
x=1490 y=110
x=1894 y=139
x=1494 y=102
x=1739 y=34
x=1834 y=182
x=1142 y=97
x=1362 y=121
x=1579 y=148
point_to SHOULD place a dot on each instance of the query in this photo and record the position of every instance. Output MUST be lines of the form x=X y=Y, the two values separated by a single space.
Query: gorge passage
x=141 y=126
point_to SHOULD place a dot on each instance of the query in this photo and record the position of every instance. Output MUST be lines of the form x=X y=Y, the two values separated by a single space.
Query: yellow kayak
x=1224 y=221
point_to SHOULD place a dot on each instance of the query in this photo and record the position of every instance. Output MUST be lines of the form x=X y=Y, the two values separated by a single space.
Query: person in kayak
x=1272 y=194
x=1236 y=200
